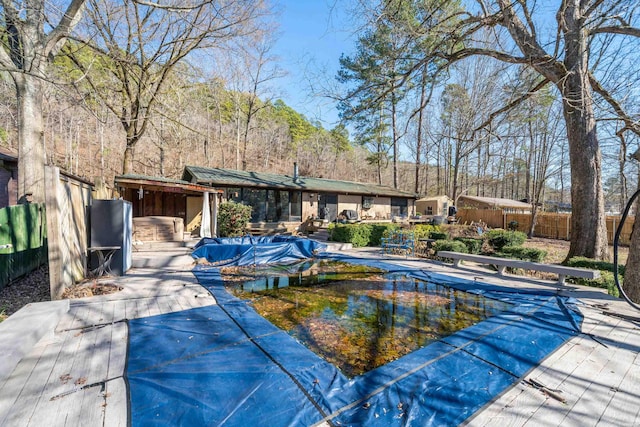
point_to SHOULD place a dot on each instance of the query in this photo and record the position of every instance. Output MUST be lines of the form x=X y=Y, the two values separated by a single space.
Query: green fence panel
x=23 y=240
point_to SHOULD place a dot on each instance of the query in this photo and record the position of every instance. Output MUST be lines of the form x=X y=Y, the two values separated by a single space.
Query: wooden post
x=54 y=232
x=214 y=217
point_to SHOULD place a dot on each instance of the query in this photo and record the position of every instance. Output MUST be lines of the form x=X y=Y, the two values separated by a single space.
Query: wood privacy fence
x=23 y=241
x=549 y=225
x=68 y=199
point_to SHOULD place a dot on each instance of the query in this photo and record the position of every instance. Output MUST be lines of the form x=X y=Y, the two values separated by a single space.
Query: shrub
x=438 y=235
x=450 y=245
x=498 y=238
x=525 y=254
x=357 y=234
x=233 y=219
x=379 y=230
x=474 y=246
x=423 y=231
x=606 y=280
x=513 y=225
x=593 y=264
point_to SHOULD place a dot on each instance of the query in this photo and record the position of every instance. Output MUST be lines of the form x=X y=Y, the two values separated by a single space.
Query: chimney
x=295 y=171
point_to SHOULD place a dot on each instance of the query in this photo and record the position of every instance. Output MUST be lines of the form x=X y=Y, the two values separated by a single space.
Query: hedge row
x=606 y=280
x=359 y=235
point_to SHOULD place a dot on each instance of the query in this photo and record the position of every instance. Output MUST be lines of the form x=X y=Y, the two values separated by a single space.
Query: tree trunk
x=631 y=284
x=588 y=226
x=394 y=131
x=31 y=155
x=127 y=160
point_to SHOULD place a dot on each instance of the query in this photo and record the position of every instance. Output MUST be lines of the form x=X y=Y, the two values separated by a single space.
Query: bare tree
x=139 y=44
x=254 y=68
x=562 y=60
x=31 y=34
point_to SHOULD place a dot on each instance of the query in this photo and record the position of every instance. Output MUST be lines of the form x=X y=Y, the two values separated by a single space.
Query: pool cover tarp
x=226 y=365
x=248 y=250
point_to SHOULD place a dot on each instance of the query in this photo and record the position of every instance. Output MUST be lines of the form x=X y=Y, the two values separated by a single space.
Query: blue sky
x=312 y=38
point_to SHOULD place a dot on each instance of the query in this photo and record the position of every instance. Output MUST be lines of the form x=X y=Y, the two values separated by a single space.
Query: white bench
x=502 y=263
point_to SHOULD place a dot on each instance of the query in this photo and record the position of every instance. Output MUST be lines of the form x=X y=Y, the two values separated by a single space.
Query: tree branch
x=627 y=31
x=629 y=123
x=471 y=51
x=69 y=20
x=513 y=104
x=171 y=8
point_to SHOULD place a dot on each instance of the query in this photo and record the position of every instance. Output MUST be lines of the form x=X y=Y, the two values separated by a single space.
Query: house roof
x=433 y=198
x=235 y=178
x=8 y=155
x=135 y=181
x=497 y=202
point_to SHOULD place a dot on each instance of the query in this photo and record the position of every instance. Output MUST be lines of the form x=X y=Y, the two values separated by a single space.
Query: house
x=507 y=205
x=8 y=177
x=437 y=205
x=292 y=199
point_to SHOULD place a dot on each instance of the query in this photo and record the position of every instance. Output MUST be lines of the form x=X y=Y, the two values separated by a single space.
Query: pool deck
x=72 y=373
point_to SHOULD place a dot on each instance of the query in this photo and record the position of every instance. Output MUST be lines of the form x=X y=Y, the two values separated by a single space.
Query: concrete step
x=337 y=246
x=162 y=246
x=172 y=257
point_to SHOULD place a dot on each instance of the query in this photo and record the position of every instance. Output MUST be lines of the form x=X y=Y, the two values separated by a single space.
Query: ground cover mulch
x=90 y=289
x=34 y=287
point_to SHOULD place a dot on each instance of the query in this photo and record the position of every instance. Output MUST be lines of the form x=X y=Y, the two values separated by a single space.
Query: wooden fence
x=68 y=199
x=549 y=225
x=23 y=241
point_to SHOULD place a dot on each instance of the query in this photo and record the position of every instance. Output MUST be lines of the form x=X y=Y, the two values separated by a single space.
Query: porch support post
x=214 y=221
x=205 y=223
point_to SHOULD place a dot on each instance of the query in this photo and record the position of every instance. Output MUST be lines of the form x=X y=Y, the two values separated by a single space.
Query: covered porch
x=167 y=210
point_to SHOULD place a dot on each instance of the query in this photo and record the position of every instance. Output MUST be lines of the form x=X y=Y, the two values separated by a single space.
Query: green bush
x=378 y=231
x=499 y=238
x=594 y=265
x=423 y=231
x=438 y=235
x=357 y=234
x=474 y=246
x=233 y=219
x=606 y=280
x=525 y=254
x=450 y=245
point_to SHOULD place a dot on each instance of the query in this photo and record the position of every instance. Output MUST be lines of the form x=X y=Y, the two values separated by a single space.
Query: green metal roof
x=236 y=178
x=150 y=178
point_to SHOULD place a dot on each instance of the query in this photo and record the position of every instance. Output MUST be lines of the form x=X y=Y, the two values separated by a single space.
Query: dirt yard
x=557 y=250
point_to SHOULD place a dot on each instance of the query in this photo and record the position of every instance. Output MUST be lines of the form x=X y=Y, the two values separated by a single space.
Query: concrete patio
x=63 y=362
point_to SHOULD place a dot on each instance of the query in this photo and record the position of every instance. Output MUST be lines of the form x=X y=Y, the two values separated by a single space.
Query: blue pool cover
x=249 y=250
x=226 y=365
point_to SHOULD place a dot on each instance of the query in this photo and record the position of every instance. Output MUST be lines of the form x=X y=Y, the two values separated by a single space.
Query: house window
x=277 y=205
x=429 y=210
x=398 y=206
x=367 y=202
x=234 y=194
x=257 y=199
x=295 y=206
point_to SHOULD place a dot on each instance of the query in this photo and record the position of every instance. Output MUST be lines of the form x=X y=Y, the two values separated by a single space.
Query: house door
x=328 y=207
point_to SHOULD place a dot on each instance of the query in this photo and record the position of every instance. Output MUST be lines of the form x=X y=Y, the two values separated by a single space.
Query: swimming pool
x=357 y=318
x=226 y=364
